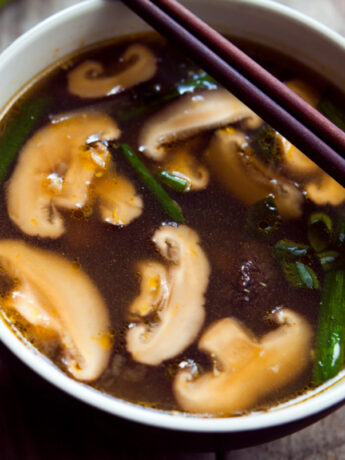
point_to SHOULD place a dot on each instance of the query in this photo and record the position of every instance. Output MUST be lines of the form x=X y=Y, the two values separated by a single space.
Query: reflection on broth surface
x=200 y=296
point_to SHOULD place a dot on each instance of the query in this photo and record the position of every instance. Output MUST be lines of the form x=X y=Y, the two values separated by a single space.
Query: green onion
x=289 y=250
x=329 y=353
x=266 y=144
x=329 y=259
x=155 y=99
x=172 y=180
x=300 y=275
x=332 y=112
x=199 y=80
x=339 y=235
x=263 y=217
x=320 y=229
x=17 y=131
x=170 y=206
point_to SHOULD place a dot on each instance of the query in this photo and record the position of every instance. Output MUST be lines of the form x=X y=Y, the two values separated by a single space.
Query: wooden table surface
x=39 y=422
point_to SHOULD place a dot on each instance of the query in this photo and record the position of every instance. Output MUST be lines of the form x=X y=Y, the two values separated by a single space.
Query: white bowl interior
x=95 y=20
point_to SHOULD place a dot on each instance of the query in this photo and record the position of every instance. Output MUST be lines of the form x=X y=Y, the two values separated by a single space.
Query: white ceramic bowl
x=94 y=20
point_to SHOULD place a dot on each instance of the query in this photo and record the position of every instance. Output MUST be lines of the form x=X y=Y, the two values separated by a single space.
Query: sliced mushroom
x=86 y=79
x=56 y=168
x=243 y=174
x=298 y=164
x=325 y=190
x=190 y=115
x=118 y=202
x=171 y=296
x=51 y=292
x=183 y=163
x=303 y=89
x=294 y=160
x=245 y=369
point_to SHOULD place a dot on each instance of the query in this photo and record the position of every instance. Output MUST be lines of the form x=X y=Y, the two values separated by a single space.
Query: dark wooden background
x=38 y=421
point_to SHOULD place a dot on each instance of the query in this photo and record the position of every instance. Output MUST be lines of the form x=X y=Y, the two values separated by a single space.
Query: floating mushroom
x=245 y=369
x=304 y=90
x=189 y=115
x=294 y=160
x=325 y=190
x=87 y=79
x=55 y=170
x=184 y=164
x=170 y=306
x=117 y=199
x=50 y=292
x=244 y=175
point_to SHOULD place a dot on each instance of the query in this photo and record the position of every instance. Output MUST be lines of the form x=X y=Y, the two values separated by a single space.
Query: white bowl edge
x=277 y=416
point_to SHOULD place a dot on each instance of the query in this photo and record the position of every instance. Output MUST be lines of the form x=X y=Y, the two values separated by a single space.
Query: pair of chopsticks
x=281 y=108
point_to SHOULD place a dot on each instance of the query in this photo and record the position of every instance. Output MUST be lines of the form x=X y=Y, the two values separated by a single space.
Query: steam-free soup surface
x=246 y=281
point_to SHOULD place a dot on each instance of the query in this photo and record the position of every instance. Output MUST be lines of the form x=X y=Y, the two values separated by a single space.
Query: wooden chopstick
x=304 y=135
x=263 y=79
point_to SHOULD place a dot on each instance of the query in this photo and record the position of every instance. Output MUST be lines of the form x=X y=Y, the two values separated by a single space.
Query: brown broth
x=109 y=254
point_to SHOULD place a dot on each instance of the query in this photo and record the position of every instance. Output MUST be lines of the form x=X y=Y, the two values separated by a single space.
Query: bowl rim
x=277 y=416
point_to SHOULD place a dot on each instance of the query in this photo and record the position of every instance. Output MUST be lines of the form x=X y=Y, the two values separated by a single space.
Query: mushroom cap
x=173 y=293
x=245 y=369
x=51 y=292
x=244 y=175
x=189 y=115
x=85 y=80
x=323 y=190
x=55 y=170
x=182 y=162
x=118 y=201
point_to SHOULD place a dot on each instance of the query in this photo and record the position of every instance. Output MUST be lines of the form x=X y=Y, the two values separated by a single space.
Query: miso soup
x=162 y=243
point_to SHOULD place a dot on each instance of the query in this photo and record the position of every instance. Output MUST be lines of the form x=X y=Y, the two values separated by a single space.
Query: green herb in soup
x=161 y=242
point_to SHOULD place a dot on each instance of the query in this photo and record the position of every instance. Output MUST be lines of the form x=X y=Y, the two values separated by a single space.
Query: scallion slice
x=329 y=353
x=263 y=217
x=18 y=129
x=320 y=230
x=168 y=204
x=172 y=180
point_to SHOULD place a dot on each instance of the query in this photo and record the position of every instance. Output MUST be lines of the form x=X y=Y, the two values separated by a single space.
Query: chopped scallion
x=17 y=132
x=332 y=112
x=289 y=250
x=320 y=230
x=300 y=275
x=328 y=259
x=329 y=353
x=199 y=80
x=263 y=217
x=169 y=205
x=172 y=180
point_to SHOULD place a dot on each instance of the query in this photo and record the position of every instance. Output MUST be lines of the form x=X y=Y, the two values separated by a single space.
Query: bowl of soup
x=166 y=256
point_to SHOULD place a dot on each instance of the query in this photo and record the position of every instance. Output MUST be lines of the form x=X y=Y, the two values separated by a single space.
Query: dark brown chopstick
x=305 y=136
x=254 y=72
